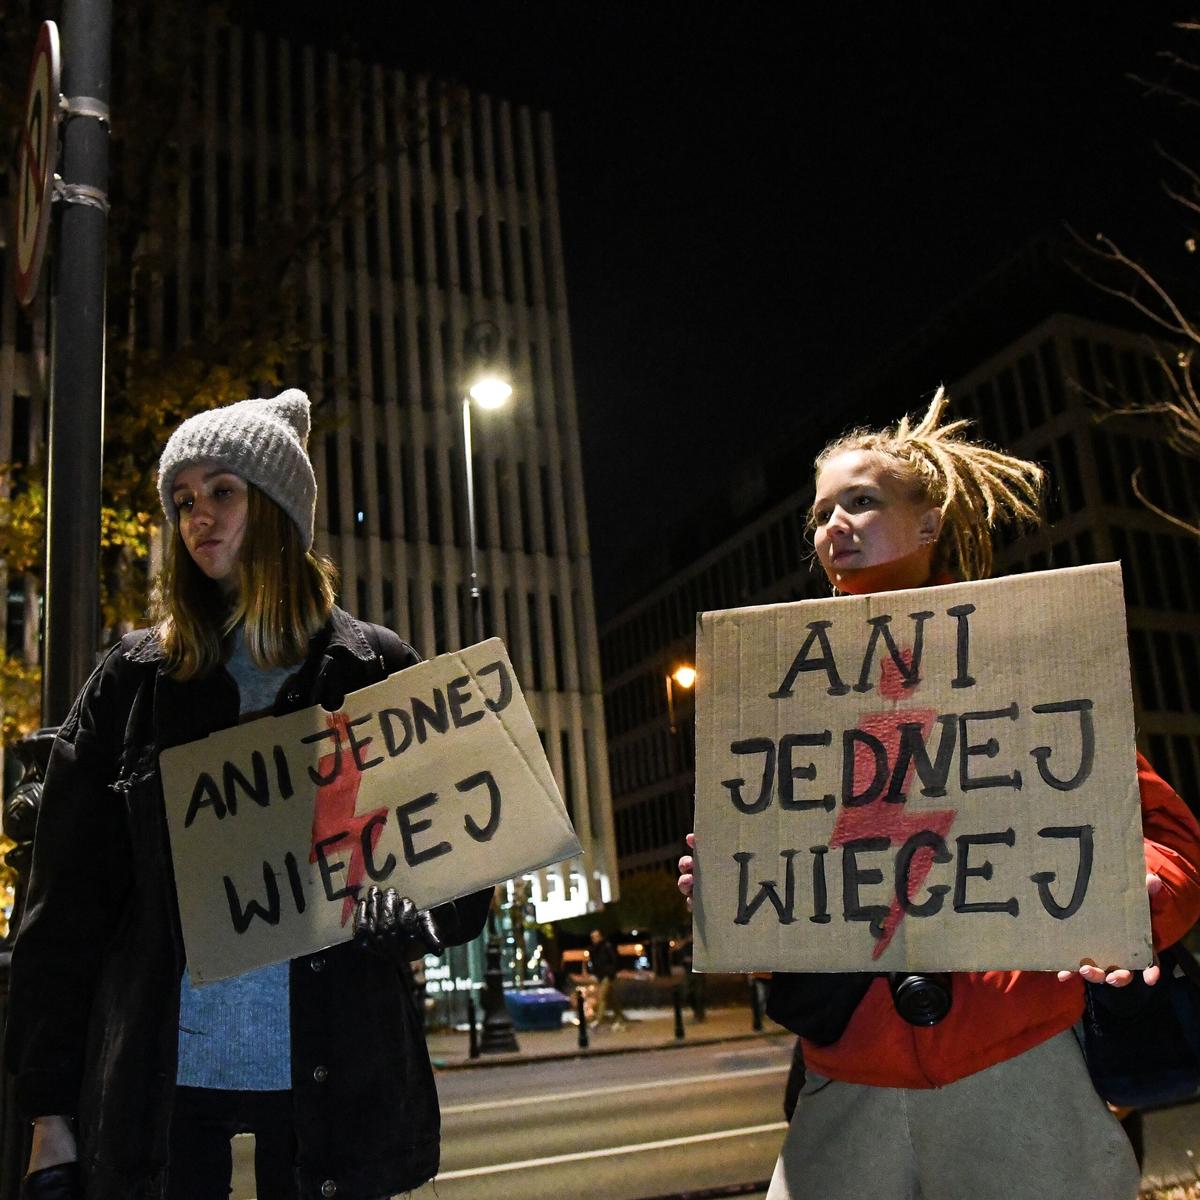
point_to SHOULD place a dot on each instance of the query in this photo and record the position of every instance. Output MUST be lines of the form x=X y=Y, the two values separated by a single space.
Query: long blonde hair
x=976 y=487
x=286 y=594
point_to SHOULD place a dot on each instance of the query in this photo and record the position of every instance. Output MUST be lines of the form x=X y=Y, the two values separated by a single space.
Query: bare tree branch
x=1136 y=481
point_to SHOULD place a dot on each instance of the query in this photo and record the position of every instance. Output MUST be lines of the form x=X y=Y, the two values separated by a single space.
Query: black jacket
x=94 y=1007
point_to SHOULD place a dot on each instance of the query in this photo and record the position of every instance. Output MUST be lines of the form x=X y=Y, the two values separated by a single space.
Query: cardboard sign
x=432 y=781
x=938 y=779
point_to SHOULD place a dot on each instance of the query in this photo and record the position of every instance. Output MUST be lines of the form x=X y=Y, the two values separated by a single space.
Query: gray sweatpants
x=1026 y=1129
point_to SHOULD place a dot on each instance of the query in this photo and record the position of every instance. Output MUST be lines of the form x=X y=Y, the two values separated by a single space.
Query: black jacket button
x=320 y=1074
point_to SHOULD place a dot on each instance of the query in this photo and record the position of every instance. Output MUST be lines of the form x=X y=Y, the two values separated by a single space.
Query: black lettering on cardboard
x=1043 y=879
x=283 y=774
x=259 y=791
x=788 y=774
x=425 y=718
x=965 y=871
x=768 y=889
x=962 y=638
x=926 y=839
x=328 y=869
x=485 y=832
x=204 y=794
x=293 y=873
x=386 y=717
x=912 y=750
x=377 y=874
x=334 y=771
x=820 y=913
x=242 y=917
x=410 y=828
x=1087 y=745
x=457 y=692
x=879 y=776
x=765 y=747
x=854 y=877
x=506 y=686
x=357 y=747
x=989 y=749
x=802 y=662
x=910 y=674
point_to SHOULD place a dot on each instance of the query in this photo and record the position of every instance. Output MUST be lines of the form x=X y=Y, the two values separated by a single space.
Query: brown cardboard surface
x=432 y=781
x=1010 y=701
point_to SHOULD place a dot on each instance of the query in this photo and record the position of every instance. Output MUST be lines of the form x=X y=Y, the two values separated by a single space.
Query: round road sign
x=37 y=155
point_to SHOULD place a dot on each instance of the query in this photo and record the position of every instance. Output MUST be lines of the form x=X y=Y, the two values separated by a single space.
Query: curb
x=521 y=1060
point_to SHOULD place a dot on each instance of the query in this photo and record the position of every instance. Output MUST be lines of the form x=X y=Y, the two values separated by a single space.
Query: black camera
x=921 y=999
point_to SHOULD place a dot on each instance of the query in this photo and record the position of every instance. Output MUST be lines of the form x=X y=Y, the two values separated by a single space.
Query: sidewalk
x=645 y=1029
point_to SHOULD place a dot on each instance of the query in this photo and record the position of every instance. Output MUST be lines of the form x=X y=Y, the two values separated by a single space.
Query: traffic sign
x=38 y=152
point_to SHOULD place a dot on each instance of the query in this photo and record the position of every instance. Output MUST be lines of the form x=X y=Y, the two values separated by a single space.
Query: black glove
x=392 y=925
x=60 y=1182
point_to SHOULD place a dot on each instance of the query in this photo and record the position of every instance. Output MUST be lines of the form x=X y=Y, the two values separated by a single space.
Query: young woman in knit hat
x=137 y=1081
x=992 y=1100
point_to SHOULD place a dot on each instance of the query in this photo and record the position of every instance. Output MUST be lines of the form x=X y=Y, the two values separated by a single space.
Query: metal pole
x=581 y=1011
x=469 y=468
x=72 y=632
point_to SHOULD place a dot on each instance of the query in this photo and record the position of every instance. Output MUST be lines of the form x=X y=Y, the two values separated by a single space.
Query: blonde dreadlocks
x=976 y=488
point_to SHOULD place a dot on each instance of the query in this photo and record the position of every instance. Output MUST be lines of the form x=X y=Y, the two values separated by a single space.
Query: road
x=632 y=1125
x=624 y=1127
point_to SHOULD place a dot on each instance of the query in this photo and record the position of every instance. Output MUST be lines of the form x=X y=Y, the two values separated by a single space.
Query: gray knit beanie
x=263 y=441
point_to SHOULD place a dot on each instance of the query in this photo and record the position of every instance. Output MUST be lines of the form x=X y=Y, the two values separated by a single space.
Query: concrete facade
x=461 y=226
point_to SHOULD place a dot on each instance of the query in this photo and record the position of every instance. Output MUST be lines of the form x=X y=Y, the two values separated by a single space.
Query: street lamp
x=684 y=676
x=486 y=385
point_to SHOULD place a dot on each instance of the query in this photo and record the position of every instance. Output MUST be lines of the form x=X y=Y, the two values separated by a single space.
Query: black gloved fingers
x=409 y=917
x=361 y=923
x=391 y=924
x=60 y=1182
x=427 y=932
x=377 y=906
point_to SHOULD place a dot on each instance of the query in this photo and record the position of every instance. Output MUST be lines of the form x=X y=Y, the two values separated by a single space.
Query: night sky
x=758 y=199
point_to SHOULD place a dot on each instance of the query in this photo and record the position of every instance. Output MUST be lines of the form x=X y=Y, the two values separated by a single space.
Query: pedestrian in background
x=136 y=1080
x=603 y=959
x=992 y=1101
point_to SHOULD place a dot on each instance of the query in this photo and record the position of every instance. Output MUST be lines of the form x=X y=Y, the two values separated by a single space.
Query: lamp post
x=485 y=385
x=684 y=676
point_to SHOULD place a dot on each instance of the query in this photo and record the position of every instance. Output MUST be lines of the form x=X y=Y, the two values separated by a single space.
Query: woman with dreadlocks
x=994 y=1100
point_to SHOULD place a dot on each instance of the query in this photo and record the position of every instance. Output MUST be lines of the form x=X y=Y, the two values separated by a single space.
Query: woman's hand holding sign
x=391 y=925
x=1118 y=976
x=686 y=867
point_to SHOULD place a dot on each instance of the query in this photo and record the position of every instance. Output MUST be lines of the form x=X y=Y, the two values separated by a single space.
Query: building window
x=1168 y=672
x=1052 y=370
x=333 y=492
x=1143 y=669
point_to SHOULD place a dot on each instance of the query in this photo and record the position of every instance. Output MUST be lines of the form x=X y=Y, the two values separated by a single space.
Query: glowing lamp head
x=684 y=676
x=490 y=391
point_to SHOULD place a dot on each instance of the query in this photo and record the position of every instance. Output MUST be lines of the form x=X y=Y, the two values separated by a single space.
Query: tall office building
x=1041 y=396
x=444 y=213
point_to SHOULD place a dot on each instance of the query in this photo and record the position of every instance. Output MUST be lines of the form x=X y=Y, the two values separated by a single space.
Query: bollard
x=583 y=1029
x=755 y=1006
x=677 y=998
x=472 y=1031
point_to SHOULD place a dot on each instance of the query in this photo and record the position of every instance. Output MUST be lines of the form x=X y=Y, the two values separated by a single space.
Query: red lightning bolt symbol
x=884 y=818
x=333 y=812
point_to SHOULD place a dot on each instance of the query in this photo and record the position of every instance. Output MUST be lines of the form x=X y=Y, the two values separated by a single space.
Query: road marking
x=611 y=1151
x=485 y=1105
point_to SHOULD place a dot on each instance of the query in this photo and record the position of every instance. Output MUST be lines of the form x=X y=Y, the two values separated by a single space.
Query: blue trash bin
x=535 y=1007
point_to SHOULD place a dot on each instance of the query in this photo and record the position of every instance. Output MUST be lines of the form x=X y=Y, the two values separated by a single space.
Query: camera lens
x=921 y=999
